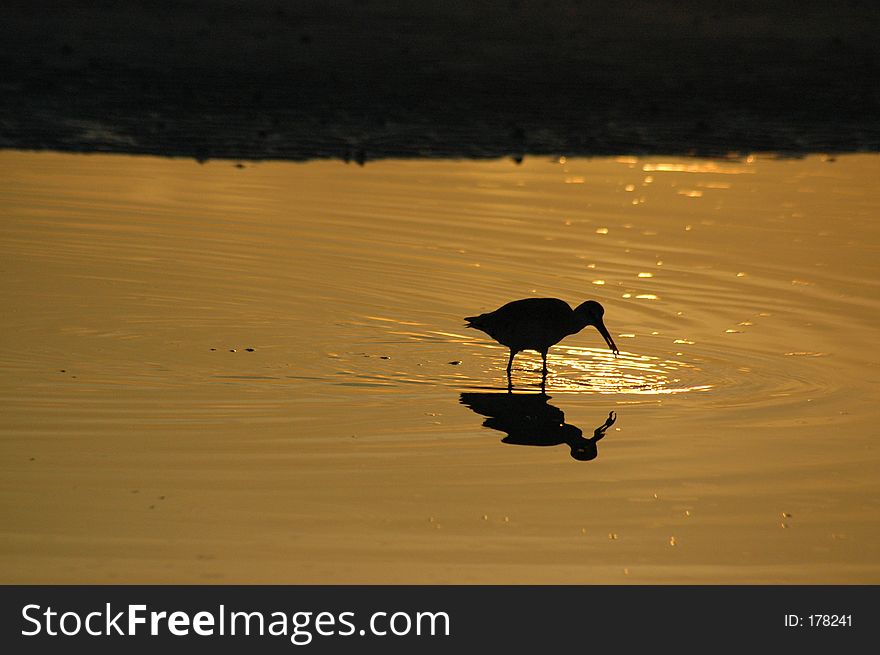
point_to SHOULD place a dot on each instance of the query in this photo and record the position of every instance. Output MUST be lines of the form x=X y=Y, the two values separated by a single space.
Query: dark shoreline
x=360 y=80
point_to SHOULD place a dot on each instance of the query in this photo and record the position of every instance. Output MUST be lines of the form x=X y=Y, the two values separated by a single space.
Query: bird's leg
x=510 y=362
x=544 y=371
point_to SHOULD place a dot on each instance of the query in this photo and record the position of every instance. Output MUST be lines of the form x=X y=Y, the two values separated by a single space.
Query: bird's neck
x=577 y=323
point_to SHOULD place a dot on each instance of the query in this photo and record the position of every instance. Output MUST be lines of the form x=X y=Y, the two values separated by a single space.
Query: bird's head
x=590 y=313
x=584 y=452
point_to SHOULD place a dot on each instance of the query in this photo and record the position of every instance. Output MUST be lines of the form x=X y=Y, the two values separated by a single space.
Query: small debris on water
x=455 y=363
x=612 y=535
x=672 y=541
x=786 y=515
x=384 y=357
x=250 y=350
x=232 y=350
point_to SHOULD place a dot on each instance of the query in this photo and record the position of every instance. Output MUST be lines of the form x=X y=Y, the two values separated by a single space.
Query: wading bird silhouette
x=529 y=420
x=537 y=324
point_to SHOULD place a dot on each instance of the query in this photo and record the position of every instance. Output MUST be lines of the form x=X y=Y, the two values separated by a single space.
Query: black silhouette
x=529 y=420
x=537 y=324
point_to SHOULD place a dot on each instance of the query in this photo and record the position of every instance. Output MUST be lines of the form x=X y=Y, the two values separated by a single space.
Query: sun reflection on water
x=696 y=167
x=597 y=371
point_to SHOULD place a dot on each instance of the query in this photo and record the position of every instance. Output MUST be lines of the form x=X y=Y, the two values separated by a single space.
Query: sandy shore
x=361 y=80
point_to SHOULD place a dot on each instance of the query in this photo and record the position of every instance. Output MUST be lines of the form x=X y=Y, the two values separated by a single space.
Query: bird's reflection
x=529 y=420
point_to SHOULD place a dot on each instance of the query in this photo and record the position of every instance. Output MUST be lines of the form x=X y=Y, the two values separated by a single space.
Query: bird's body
x=538 y=324
x=530 y=324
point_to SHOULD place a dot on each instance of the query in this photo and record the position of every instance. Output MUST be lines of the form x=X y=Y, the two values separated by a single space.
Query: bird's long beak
x=604 y=332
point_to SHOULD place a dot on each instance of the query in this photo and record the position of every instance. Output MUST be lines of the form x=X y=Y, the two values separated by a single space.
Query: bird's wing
x=530 y=323
x=537 y=309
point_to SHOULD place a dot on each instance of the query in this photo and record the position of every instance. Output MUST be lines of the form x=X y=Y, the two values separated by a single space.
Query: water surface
x=256 y=373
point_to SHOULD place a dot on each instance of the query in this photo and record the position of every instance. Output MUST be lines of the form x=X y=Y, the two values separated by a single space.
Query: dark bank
x=366 y=79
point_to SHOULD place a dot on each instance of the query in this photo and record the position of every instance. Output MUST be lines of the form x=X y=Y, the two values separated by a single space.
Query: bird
x=538 y=324
x=529 y=420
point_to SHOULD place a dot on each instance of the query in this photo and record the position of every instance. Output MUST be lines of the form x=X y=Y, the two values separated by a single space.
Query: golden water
x=142 y=441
